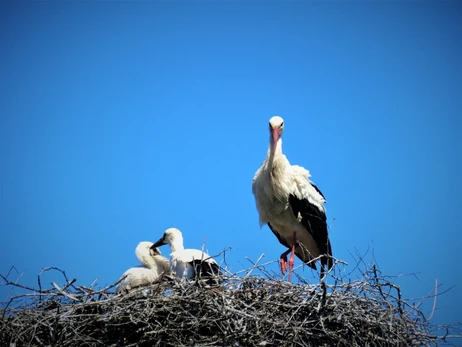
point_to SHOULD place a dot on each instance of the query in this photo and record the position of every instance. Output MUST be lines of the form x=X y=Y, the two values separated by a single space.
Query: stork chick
x=153 y=266
x=187 y=263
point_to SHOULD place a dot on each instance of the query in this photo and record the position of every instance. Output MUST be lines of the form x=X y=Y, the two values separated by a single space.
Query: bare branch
x=255 y=306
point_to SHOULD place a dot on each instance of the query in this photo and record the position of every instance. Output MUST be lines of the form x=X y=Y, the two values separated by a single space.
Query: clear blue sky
x=119 y=120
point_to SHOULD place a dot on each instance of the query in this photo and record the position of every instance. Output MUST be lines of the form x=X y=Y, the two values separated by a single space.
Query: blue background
x=120 y=120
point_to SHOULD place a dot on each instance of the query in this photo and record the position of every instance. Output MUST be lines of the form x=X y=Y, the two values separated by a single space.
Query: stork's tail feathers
x=326 y=262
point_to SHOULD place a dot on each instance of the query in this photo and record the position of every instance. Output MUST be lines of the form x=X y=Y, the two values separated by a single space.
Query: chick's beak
x=158 y=243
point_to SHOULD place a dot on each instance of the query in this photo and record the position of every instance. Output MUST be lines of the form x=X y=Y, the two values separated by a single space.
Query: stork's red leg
x=292 y=256
x=283 y=264
x=283 y=261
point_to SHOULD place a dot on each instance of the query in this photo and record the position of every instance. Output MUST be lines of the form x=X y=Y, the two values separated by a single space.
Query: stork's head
x=276 y=127
x=145 y=250
x=170 y=237
x=144 y=247
x=148 y=255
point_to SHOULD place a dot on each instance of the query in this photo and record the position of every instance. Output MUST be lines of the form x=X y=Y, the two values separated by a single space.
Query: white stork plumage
x=187 y=263
x=153 y=266
x=291 y=205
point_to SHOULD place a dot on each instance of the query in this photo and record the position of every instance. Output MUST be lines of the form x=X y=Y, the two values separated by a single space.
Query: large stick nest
x=242 y=310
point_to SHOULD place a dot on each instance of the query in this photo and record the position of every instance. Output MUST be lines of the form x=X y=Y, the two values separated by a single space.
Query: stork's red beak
x=276 y=135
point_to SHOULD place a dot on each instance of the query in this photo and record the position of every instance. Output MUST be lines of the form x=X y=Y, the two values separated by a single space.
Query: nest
x=242 y=310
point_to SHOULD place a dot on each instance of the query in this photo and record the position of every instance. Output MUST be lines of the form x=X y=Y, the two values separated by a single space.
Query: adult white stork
x=187 y=263
x=153 y=266
x=291 y=205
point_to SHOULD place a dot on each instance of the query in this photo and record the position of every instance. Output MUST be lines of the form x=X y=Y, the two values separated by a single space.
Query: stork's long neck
x=155 y=262
x=162 y=263
x=149 y=263
x=177 y=244
x=274 y=152
x=146 y=260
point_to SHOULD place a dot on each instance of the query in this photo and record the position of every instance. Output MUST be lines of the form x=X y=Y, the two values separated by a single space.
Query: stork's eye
x=282 y=124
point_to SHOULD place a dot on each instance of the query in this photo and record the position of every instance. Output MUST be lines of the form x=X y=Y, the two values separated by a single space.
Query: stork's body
x=187 y=263
x=291 y=205
x=153 y=266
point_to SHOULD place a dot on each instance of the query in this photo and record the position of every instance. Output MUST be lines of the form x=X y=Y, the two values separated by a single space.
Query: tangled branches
x=243 y=310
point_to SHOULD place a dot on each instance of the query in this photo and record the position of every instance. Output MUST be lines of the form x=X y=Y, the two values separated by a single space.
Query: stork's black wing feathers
x=284 y=243
x=314 y=220
x=206 y=269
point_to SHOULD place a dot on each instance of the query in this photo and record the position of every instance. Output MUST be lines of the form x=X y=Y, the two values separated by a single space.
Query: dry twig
x=243 y=310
